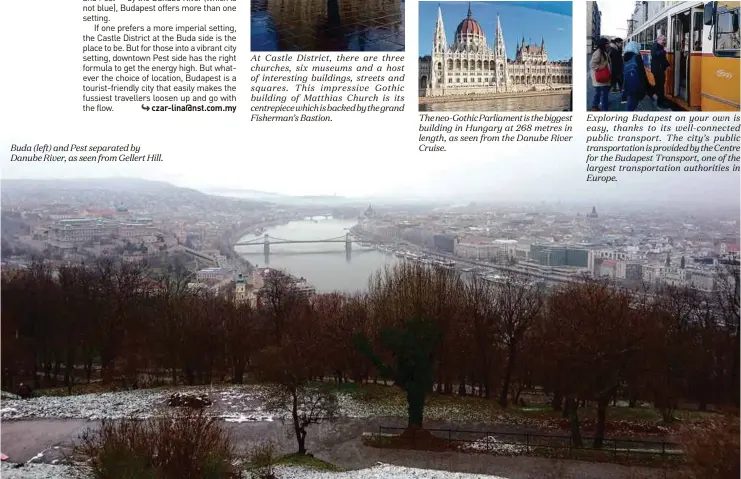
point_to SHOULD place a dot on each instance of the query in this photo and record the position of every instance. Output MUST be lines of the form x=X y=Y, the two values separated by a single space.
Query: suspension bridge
x=268 y=240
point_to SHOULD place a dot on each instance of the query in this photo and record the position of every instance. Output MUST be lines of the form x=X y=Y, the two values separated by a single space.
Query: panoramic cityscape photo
x=495 y=56
x=294 y=335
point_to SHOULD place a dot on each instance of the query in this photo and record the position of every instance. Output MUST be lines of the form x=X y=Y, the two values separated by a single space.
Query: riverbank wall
x=424 y=100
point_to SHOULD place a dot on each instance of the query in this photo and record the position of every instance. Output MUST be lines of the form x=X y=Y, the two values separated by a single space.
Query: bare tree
x=518 y=302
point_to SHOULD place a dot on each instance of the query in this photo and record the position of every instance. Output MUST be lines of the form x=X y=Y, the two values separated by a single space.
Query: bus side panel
x=720 y=76
x=696 y=80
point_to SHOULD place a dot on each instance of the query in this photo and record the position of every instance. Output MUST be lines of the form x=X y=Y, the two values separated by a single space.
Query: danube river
x=556 y=102
x=324 y=265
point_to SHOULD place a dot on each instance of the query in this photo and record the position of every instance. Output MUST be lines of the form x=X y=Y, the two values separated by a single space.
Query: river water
x=557 y=102
x=324 y=265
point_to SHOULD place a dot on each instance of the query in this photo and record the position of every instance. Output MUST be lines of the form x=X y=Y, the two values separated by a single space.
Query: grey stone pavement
x=614 y=104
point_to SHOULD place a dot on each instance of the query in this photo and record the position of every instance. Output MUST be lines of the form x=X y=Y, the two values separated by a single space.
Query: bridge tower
x=348 y=246
x=266 y=248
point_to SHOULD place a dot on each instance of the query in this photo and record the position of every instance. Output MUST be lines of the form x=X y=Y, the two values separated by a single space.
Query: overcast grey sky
x=615 y=15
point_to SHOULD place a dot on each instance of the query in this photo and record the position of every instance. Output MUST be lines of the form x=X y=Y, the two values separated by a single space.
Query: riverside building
x=471 y=66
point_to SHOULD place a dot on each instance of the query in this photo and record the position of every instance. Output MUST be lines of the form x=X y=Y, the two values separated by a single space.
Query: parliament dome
x=469 y=32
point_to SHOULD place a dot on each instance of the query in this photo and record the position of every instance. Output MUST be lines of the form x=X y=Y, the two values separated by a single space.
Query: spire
x=439 y=42
x=499 y=41
x=470 y=14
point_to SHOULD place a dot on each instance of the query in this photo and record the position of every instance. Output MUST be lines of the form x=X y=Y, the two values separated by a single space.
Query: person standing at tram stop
x=601 y=71
x=635 y=82
x=659 y=64
x=616 y=62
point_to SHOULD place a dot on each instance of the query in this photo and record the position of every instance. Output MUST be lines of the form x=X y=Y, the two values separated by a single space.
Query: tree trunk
x=189 y=376
x=572 y=406
x=297 y=428
x=34 y=372
x=504 y=393
x=599 y=435
x=57 y=371
x=462 y=386
x=89 y=369
x=416 y=406
x=238 y=373
x=735 y=390
x=69 y=370
x=518 y=393
x=302 y=441
x=557 y=401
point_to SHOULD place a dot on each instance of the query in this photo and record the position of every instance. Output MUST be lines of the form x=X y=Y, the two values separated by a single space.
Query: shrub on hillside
x=712 y=448
x=262 y=461
x=187 y=445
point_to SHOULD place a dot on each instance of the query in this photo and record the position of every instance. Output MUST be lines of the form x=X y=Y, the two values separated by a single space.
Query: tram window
x=661 y=27
x=727 y=33
x=697 y=33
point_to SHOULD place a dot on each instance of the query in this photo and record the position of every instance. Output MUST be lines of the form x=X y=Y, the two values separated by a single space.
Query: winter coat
x=659 y=63
x=616 y=60
x=599 y=60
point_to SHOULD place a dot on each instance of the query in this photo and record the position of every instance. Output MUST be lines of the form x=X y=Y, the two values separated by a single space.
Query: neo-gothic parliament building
x=471 y=66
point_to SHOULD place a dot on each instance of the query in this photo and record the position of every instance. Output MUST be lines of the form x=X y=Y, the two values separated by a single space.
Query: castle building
x=471 y=66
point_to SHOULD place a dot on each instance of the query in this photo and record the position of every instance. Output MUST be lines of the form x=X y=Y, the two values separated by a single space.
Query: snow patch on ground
x=111 y=405
x=494 y=445
x=380 y=471
x=36 y=471
x=244 y=403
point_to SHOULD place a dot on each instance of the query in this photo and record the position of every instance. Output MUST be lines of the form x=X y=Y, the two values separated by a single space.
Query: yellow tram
x=702 y=45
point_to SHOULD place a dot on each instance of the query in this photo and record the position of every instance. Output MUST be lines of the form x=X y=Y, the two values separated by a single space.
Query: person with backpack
x=601 y=72
x=635 y=81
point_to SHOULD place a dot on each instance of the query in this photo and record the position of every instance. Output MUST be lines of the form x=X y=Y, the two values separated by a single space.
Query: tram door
x=694 y=78
x=681 y=47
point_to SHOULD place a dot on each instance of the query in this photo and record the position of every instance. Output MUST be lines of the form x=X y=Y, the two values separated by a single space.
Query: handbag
x=602 y=75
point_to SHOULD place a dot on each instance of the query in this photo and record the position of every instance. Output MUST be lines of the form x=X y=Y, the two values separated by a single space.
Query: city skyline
x=549 y=21
x=665 y=198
